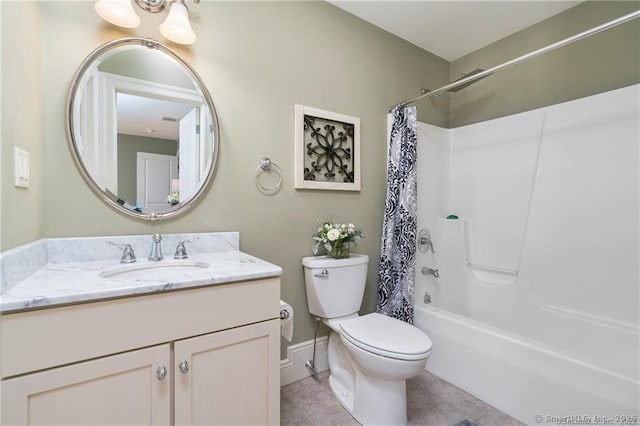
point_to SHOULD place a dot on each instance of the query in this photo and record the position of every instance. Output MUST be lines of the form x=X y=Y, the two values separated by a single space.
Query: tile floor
x=430 y=401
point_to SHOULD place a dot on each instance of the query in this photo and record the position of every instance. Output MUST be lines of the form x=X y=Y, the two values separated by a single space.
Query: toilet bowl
x=385 y=347
x=370 y=356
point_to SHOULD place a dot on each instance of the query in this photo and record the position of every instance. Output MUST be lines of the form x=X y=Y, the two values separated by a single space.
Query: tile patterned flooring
x=430 y=401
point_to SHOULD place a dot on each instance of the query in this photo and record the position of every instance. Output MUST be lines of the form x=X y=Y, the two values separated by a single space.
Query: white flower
x=333 y=234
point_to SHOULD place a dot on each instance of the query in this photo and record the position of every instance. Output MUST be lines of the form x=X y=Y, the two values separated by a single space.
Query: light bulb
x=118 y=12
x=177 y=27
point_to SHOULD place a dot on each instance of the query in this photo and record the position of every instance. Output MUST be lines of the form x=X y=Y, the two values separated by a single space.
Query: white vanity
x=86 y=339
x=78 y=346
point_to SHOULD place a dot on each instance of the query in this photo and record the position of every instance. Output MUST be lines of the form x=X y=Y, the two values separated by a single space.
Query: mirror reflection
x=142 y=128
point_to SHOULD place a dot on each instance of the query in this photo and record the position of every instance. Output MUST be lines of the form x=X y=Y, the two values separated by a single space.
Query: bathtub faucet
x=429 y=271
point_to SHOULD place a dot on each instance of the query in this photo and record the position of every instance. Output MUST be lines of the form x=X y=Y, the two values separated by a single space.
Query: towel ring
x=264 y=165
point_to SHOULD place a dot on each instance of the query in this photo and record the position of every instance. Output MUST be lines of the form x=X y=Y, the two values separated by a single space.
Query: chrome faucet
x=128 y=256
x=181 y=251
x=156 y=248
x=429 y=271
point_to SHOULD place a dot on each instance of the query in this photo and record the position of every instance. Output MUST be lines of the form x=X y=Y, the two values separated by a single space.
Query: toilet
x=370 y=356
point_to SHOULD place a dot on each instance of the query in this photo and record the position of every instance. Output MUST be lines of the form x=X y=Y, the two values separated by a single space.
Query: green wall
x=605 y=61
x=144 y=65
x=258 y=60
x=22 y=218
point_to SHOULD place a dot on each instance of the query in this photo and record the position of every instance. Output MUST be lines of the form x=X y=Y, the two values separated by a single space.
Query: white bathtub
x=534 y=219
x=520 y=376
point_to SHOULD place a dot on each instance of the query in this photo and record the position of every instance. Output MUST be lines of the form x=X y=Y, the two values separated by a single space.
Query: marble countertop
x=79 y=282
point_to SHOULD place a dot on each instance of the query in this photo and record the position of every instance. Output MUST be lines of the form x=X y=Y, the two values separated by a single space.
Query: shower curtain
x=396 y=277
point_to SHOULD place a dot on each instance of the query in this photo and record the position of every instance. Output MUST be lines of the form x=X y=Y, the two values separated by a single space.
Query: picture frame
x=327 y=150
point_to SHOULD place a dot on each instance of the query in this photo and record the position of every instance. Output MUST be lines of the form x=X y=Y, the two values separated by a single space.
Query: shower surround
x=536 y=309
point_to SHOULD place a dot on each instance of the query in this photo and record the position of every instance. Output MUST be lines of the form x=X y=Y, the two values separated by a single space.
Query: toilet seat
x=386 y=336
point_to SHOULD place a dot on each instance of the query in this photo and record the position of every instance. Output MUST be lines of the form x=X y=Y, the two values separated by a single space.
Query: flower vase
x=340 y=250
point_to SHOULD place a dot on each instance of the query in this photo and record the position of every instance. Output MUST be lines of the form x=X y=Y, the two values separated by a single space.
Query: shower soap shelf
x=491 y=275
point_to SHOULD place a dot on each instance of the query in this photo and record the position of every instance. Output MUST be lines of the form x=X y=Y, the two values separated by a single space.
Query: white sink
x=161 y=271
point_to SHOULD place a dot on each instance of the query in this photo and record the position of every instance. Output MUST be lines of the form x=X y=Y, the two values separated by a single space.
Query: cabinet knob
x=161 y=372
x=184 y=367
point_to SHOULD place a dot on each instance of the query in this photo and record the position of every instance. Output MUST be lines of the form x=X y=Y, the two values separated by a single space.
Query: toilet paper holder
x=286 y=320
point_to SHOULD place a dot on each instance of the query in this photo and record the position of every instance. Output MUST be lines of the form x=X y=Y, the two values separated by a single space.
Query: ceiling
x=152 y=118
x=452 y=29
x=449 y=29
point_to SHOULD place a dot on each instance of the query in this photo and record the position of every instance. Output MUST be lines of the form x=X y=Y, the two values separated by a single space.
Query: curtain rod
x=556 y=45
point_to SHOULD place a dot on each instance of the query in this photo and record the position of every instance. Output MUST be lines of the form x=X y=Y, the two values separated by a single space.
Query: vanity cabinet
x=222 y=376
x=116 y=390
x=201 y=356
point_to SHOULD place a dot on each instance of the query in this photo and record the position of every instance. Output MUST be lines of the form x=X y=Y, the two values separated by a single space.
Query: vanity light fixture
x=176 y=27
x=118 y=12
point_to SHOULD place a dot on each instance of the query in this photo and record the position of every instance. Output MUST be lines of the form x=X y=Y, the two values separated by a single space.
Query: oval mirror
x=142 y=128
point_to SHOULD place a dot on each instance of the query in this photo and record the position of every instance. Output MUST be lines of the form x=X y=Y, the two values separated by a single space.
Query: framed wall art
x=327 y=150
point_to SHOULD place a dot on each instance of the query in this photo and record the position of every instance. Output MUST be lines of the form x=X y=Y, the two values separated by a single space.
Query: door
x=121 y=389
x=153 y=184
x=189 y=155
x=229 y=378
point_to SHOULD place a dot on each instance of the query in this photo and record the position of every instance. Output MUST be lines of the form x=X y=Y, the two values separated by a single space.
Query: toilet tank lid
x=330 y=262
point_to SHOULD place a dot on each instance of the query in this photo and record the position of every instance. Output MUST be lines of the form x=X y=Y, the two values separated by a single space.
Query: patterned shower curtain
x=396 y=278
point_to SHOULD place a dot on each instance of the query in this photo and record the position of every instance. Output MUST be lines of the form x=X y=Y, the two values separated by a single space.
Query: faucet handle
x=181 y=251
x=128 y=256
x=425 y=242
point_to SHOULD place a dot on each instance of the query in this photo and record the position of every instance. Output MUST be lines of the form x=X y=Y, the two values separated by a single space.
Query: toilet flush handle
x=323 y=274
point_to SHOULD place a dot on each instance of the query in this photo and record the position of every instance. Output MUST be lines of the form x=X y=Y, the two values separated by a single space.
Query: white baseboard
x=293 y=367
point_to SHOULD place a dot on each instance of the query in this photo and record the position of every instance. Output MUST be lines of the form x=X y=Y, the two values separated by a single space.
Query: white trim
x=109 y=85
x=293 y=367
x=150 y=89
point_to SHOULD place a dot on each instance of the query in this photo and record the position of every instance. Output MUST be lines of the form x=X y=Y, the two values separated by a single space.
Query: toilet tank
x=335 y=286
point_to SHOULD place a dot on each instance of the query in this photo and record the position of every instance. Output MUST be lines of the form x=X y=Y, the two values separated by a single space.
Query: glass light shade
x=118 y=12
x=177 y=27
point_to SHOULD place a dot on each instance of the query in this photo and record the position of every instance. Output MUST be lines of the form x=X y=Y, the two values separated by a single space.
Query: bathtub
x=535 y=309
x=495 y=337
x=527 y=379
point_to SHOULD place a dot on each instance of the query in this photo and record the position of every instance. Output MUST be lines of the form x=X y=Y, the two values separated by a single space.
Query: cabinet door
x=233 y=377
x=121 y=389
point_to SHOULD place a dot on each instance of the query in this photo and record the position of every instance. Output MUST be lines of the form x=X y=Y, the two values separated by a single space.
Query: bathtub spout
x=429 y=271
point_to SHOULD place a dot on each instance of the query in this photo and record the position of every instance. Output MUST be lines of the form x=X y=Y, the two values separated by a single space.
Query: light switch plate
x=21 y=167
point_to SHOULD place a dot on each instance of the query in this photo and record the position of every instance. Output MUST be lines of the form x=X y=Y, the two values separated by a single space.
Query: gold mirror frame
x=71 y=135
